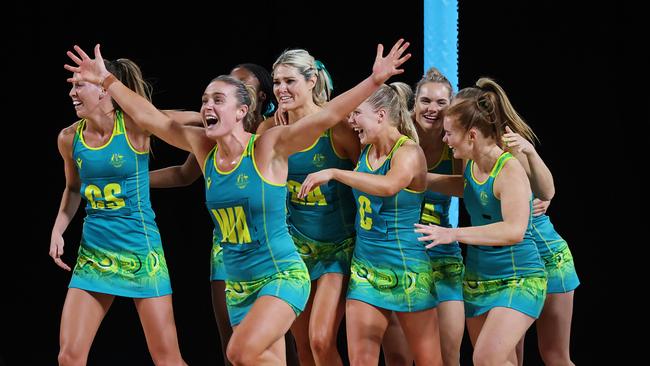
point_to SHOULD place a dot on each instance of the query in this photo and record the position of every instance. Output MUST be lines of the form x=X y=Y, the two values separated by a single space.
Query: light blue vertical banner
x=441 y=38
x=441 y=51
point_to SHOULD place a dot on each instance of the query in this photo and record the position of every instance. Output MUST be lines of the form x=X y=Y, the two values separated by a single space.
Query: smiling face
x=290 y=87
x=221 y=109
x=456 y=137
x=365 y=121
x=87 y=98
x=431 y=99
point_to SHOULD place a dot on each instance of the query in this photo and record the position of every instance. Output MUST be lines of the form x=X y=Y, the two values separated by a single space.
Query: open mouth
x=431 y=118
x=285 y=99
x=211 y=120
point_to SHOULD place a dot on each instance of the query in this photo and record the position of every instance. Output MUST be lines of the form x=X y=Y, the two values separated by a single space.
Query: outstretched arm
x=298 y=136
x=450 y=185
x=512 y=188
x=176 y=176
x=143 y=113
x=69 y=200
x=402 y=172
x=190 y=118
x=541 y=179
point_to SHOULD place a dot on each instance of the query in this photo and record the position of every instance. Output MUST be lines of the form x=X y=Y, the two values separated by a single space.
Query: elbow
x=184 y=182
x=73 y=188
x=551 y=193
x=546 y=194
x=544 y=189
x=388 y=191
x=513 y=232
x=515 y=236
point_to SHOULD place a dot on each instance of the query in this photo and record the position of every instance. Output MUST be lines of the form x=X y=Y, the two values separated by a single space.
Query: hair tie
x=269 y=110
x=321 y=66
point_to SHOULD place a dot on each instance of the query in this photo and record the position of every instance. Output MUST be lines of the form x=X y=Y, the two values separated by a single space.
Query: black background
x=553 y=59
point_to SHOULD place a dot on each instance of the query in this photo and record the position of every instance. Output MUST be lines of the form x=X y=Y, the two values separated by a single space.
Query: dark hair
x=266 y=86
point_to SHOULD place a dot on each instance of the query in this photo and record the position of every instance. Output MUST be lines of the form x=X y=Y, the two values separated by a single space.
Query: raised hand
x=435 y=234
x=514 y=142
x=56 y=251
x=87 y=69
x=314 y=180
x=385 y=67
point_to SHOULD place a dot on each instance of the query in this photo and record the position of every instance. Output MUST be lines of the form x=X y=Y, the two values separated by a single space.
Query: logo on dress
x=318 y=160
x=208 y=182
x=117 y=160
x=242 y=181
x=79 y=161
x=484 y=198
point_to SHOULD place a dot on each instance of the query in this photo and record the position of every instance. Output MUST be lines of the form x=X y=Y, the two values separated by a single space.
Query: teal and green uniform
x=321 y=224
x=446 y=260
x=510 y=276
x=217 y=268
x=121 y=252
x=557 y=258
x=250 y=219
x=390 y=267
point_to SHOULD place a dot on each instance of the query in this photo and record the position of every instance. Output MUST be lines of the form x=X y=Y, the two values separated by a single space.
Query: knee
x=555 y=357
x=322 y=343
x=70 y=357
x=483 y=356
x=450 y=353
x=234 y=352
x=166 y=353
x=238 y=354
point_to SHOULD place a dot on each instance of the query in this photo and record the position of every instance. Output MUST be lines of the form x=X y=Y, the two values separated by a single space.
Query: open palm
x=87 y=69
x=385 y=67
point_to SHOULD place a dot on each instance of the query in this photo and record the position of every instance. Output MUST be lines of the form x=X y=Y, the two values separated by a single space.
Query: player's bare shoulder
x=265 y=125
x=66 y=136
